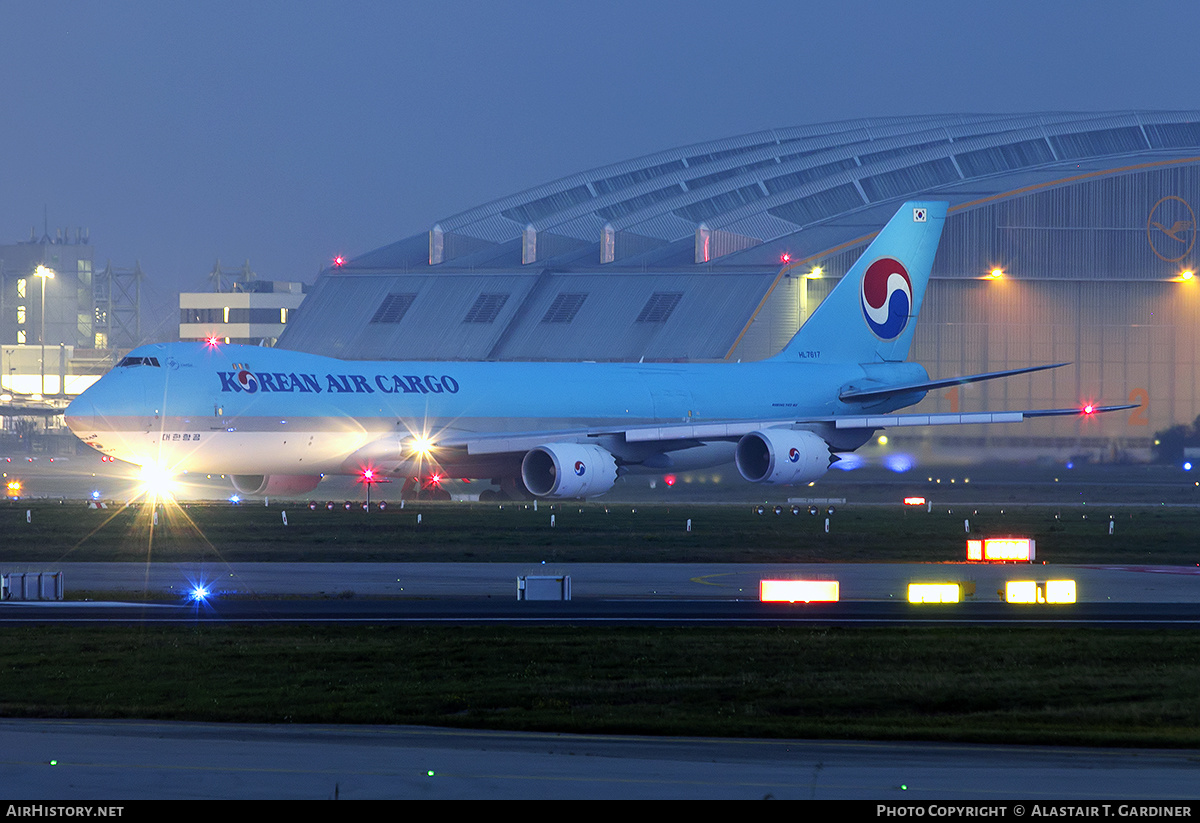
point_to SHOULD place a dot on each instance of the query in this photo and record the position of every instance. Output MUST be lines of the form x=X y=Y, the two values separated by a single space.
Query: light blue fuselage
x=194 y=409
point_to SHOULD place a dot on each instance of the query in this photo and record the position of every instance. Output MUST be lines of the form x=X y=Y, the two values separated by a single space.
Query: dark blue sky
x=287 y=132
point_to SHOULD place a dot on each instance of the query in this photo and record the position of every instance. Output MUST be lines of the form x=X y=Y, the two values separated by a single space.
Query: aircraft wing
x=888 y=420
x=501 y=442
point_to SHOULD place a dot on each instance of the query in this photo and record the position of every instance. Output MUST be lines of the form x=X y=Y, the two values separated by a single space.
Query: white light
x=157 y=481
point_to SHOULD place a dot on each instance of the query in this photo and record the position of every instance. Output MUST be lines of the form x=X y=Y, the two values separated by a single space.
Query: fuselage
x=231 y=409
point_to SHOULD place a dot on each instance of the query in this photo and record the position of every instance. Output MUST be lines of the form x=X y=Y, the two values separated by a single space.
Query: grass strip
x=1031 y=686
x=587 y=532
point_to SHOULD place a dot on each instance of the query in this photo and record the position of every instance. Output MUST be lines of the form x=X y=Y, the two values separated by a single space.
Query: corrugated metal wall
x=1089 y=279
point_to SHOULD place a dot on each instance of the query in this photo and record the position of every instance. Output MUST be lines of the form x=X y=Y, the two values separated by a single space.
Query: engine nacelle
x=275 y=485
x=782 y=456
x=567 y=470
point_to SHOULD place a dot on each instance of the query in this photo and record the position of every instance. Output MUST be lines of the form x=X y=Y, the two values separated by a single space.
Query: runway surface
x=110 y=760
x=693 y=581
x=607 y=594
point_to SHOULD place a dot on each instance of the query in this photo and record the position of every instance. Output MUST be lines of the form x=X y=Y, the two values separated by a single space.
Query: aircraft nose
x=80 y=413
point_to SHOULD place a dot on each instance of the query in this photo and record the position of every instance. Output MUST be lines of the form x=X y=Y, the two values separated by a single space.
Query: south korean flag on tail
x=918 y=215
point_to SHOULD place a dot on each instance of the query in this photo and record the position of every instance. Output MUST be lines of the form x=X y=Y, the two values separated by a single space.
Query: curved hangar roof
x=673 y=255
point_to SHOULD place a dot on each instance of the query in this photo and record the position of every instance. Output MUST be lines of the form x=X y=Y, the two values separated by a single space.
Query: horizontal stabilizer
x=854 y=395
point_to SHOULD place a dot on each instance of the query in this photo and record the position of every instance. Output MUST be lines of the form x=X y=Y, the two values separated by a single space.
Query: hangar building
x=720 y=250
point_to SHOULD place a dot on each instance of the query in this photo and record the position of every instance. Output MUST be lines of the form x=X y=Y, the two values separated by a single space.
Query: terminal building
x=61 y=317
x=1071 y=238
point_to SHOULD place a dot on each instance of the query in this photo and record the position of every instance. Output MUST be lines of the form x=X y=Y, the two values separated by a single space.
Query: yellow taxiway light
x=798 y=591
x=1186 y=275
x=934 y=593
x=996 y=273
x=1031 y=591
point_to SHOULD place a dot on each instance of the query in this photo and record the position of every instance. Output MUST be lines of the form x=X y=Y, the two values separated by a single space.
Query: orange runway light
x=1001 y=549
x=798 y=591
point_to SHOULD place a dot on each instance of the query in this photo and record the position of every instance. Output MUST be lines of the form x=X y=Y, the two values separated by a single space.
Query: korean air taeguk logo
x=886 y=297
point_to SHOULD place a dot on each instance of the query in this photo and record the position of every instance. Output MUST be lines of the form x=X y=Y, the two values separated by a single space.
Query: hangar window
x=712 y=157
x=910 y=179
x=717 y=176
x=1173 y=135
x=393 y=308
x=659 y=307
x=486 y=309
x=564 y=308
x=820 y=205
x=1004 y=158
x=608 y=185
x=1095 y=143
x=878 y=156
x=551 y=203
x=721 y=203
x=640 y=202
x=799 y=178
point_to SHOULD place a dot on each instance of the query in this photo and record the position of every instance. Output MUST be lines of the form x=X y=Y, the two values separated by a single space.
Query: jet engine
x=782 y=456
x=567 y=470
x=275 y=485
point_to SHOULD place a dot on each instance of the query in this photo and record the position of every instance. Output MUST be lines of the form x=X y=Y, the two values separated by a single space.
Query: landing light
x=157 y=481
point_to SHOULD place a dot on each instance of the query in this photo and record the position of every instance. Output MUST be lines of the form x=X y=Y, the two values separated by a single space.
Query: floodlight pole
x=44 y=274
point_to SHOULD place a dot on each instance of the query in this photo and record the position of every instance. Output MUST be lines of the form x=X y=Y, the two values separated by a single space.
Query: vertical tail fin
x=871 y=314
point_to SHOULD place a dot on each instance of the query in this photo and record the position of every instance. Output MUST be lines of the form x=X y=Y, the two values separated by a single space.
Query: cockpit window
x=138 y=361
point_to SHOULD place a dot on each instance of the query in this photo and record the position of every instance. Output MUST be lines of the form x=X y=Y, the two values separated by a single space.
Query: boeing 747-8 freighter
x=278 y=421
